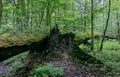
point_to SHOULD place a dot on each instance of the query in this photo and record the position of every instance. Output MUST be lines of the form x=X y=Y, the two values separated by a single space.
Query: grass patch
x=110 y=55
x=47 y=71
x=11 y=60
x=108 y=45
x=110 y=58
x=85 y=35
x=15 y=64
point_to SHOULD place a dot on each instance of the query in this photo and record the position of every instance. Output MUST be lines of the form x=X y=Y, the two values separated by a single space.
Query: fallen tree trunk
x=55 y=43
x=85 y=41
x=11 y=51
x=109 y=37
x=64 y=43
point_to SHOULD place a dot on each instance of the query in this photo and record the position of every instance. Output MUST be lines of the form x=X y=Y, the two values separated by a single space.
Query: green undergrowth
x=85 y=35
x=108 y=45
x=110 y=55
x=110 y=58
x=47 y=71
x=112 y=45
x=19 y=57
x=17 y=63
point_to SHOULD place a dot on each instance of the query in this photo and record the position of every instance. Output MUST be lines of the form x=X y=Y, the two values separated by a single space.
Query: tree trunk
x=10 y=51
x=118 y=26
x=85 y=12
x=92 y=24
x=107 y=23
x=1 y=6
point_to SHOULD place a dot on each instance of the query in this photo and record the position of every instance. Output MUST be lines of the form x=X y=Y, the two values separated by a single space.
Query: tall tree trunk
x=1 y=12
x=26 y=13
x=92 y=24
x=118 y=26
x=107 y=23
x=23 y=6
x=48 y=13
x=85 y=21
x=81 y=13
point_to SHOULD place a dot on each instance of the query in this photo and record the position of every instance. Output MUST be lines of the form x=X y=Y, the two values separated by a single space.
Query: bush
x=84 y=47
x=48 y=71
x=111 y=45
x=110 y=58
x=108 y=45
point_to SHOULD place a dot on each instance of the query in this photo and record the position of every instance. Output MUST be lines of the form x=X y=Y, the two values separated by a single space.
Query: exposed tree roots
x=55 y=43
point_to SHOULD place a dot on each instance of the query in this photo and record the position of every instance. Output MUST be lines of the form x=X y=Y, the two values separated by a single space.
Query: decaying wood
x=49 y=46
x=8 y=52
x=109 y=37
x=54 y=43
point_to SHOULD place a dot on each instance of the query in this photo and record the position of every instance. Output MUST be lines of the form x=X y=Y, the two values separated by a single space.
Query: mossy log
x=54 y=43
x=84 y=38
x=10 y=51
x=109 y=37
x=85 y=57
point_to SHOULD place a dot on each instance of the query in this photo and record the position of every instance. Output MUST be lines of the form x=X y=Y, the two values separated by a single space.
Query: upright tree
x=107 y=23
x=92 y=24
x=1 y=12
x=118 y=25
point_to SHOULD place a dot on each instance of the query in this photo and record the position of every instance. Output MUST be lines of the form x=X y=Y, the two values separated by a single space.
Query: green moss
x=48 y=71
x=84 y=35
x=21 y=39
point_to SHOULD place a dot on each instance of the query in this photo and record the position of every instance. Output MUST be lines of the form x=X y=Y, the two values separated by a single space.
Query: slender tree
x=85 y=21
x=118 y=25
x=92 y=24
x=107 y=23
x=1 y=12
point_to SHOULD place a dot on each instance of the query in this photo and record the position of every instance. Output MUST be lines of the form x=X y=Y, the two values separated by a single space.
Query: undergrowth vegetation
x=112 y=45
x=48 y=71
x=110 y=55
x=85 y=35
x=17 y=64
x=108 y=45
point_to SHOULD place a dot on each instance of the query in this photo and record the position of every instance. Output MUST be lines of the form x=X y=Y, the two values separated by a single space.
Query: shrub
x=108 y=45
x=48 y=71
x=110 y=58
x=84 y=47
x=111 y=45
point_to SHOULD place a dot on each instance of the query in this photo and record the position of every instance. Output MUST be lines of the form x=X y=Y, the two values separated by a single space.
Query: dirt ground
x=74 y=70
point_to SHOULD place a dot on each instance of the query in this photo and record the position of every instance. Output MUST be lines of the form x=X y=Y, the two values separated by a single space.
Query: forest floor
x=71 y=68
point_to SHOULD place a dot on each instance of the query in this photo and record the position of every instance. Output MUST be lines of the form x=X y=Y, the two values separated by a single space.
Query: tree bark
x=85 y=12
x=1 y=6
x=118 y=26
x=92 y=24
x=107 y=23
x=7 y=52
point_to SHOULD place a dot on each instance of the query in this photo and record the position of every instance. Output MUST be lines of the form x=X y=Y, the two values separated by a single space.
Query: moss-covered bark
x=55 y=43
